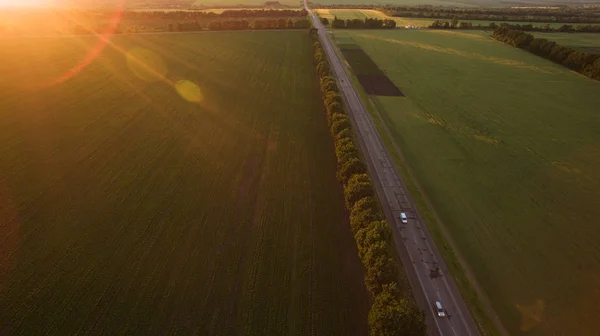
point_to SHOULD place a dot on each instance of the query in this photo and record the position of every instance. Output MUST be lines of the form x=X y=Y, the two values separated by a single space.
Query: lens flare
x=103 y=39
x=189 y=91
x=146 y=64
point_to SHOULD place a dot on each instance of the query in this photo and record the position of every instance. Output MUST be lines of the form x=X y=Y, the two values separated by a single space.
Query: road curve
x=426 y=270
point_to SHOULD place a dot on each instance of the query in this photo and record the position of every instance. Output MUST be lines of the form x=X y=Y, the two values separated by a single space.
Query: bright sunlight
x=25 y=3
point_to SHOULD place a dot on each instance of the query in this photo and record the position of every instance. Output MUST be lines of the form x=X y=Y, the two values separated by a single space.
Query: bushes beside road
x=390 y=314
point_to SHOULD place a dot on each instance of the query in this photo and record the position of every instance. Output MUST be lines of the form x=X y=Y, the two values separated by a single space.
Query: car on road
x=403 y=218
x=439 y=310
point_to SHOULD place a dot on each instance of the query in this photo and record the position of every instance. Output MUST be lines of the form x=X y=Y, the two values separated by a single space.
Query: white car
x=439 y=309
x=403 y=218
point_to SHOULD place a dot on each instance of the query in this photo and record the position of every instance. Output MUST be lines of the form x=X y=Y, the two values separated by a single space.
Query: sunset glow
x=25 y=3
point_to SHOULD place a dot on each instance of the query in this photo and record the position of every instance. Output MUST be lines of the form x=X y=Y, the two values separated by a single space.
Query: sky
x=53 y=3
x=24 y=3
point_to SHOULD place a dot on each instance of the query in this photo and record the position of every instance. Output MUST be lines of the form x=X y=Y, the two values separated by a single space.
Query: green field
x=179 y=184
x=583 y=41
x=506 y=147
x=575 y=40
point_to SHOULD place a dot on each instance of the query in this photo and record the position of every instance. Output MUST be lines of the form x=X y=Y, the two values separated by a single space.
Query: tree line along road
x=425 y=268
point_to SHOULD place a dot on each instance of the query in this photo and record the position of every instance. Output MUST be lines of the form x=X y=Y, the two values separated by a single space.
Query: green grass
x=127 y=209
x=583 y=40
x=504 y=145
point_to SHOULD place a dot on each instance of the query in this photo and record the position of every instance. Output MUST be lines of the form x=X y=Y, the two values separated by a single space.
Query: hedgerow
x=390 y=314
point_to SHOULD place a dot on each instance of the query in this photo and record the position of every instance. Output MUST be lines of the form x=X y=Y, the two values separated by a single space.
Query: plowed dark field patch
x=360 y=62
x=370 y=76
x=348 y=46
x=379 y=85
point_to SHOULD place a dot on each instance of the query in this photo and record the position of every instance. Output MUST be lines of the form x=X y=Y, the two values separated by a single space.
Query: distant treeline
x=455 y=24
x=583 y=62
x=345 y=6
x=367 y=23
x=242 y=13
x=499 y=14
x=553 y=15
x=390 y=314
x=257 y=24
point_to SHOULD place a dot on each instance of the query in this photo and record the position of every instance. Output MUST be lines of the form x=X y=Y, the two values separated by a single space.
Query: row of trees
x=389 y=314
x=259 y=24
x=242 y=25
x=367 y=23
x=455 y=24
x=199 y=25
x=566 y=15
x=583 y=62
x=242 y=13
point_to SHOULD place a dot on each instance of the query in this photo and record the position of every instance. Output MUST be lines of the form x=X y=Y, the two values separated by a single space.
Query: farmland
x=396 y=2
x=47 y=22
x=460 y=3
x=361 y=14
x=505 y=146
x=579 y=41
x=179 y=184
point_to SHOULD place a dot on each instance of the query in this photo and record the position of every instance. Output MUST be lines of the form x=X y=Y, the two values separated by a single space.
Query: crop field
x=180 y=184
x=361 y=14
x=505 y=145
x=396 y=2
x=461 y=3
x=350 y=14
x=581 y=41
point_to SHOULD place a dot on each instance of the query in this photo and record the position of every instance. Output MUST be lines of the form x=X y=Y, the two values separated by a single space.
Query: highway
x=425 y=269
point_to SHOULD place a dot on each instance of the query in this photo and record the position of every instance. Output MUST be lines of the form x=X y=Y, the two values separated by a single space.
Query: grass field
x=505 y=146
x=590 y=42
x=180 y=184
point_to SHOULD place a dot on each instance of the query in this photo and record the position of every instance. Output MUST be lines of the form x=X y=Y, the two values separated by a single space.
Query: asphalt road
x=428 y=274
